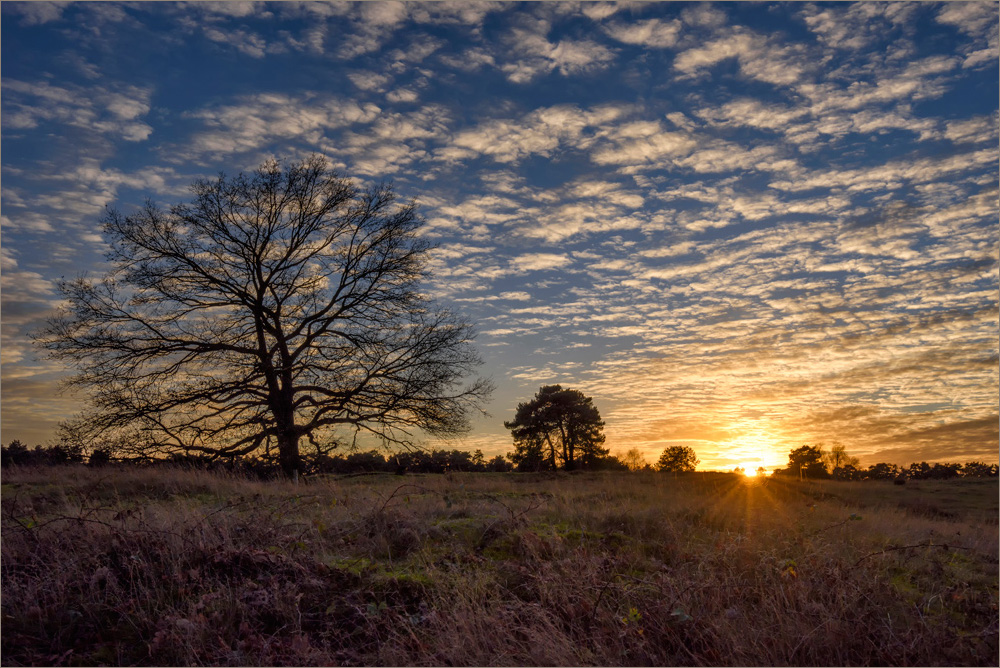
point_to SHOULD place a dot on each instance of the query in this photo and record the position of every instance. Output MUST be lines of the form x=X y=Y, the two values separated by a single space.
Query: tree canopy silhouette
x=558 y=427
x=677 y=459
x=807 y=461
x=274 y=306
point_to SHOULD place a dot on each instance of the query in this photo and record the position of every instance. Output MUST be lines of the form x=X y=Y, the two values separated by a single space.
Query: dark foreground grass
x=186 y=568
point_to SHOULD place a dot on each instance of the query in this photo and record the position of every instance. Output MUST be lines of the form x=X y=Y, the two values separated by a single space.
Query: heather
x=163 y=566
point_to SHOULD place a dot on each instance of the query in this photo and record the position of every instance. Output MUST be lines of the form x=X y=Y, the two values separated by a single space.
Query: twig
x=397 y=490
x=852 y=518
x=895 y=548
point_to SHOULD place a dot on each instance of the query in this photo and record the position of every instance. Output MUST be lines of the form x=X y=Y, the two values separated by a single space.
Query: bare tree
x=837 y=457
x=634 y=459
x=274 y=306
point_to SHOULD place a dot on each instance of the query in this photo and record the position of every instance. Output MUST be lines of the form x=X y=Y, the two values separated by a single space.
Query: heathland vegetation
x=128 y=565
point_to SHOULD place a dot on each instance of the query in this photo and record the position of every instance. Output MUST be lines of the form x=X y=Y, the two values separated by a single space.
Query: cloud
x=229 y=8
x=975 y=130
x=245 y=42
x=538 y=262
x=975 y=18
x=849 y=27
x=392 y=141
x=402 y=95
x=891 y=175
x=37 y=13
x=369 y=81
x=470 y=60
x=262 y=118
x=373 y=24
x=641 y=144
x=536 y=56
x=703 y=15
x=111 y=111
x=600 y=10
x=758 y=58
x=541 y=132
x=650 y=33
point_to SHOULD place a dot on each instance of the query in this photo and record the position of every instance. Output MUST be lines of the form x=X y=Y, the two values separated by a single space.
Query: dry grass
x=186 y=568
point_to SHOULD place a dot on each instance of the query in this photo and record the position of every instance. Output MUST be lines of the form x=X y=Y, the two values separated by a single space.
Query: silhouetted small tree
x=846 y=472
x=677 y=459
x=478 y=461
x=99 y=457
x=528 y=455
x=882 y=471
x=807 y=462
x=634 y=460
x=557 y=427
x=609 y=463
x=837 y=457
x=499 y=464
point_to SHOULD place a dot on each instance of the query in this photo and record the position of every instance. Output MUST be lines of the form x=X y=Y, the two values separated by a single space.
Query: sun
x=750 y=469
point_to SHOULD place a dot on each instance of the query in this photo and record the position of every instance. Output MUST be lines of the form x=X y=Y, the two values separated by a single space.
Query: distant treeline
x=442 y=461
x=373 y=461
x=882 y=471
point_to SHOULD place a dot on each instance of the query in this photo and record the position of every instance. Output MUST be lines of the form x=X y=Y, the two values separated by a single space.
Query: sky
x=740 y=227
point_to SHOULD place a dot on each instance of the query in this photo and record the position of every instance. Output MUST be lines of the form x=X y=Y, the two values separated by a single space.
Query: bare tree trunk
x=288 y=454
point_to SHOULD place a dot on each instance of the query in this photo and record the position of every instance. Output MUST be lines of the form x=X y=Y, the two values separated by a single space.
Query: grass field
x=168 y=567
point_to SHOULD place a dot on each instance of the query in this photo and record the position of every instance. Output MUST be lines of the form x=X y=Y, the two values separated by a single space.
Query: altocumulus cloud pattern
x=739 y=227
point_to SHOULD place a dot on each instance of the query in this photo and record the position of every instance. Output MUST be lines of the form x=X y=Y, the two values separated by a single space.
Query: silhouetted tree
x=944 y=471
x=529 y=455
x=275 y=306
x=979 y=470
x=806 y=461
x=19 y=454
x=837 y=457
x=677 y=459
x=634 y=460
x=557 y=427
x=846 y=472
x=882 y=471
x=499 y=465
x=609 y=463
x=99 y=458
x=14 y=453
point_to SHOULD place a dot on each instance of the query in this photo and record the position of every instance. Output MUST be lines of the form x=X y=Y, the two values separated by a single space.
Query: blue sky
x=742 y=227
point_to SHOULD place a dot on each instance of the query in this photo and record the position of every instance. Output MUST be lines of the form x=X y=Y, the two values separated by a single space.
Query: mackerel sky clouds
x=742 y=227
